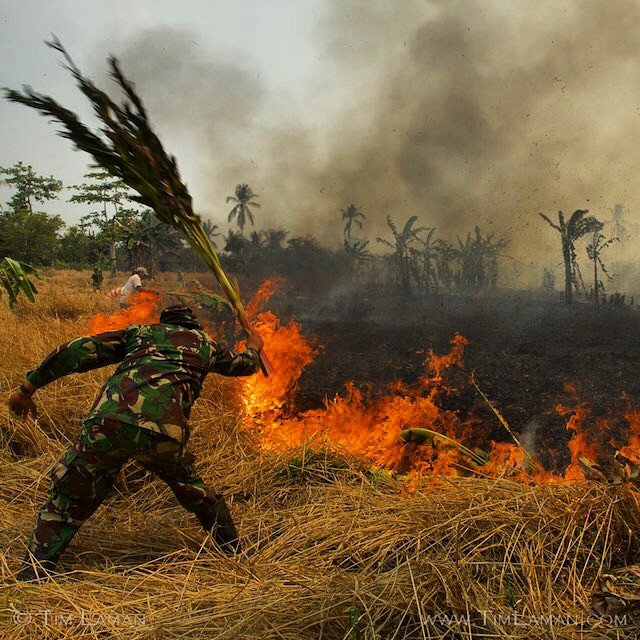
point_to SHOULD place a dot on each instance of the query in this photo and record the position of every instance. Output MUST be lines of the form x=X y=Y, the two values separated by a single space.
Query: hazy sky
x=461 y=112
x=272 y=38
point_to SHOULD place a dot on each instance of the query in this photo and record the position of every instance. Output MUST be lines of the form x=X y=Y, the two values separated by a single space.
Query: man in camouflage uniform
x=141 y=413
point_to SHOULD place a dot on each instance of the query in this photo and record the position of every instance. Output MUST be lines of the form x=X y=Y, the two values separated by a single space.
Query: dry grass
x=325 y=544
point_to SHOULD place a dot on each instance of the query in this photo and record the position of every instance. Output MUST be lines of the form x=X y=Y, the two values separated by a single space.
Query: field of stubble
x=328 y=552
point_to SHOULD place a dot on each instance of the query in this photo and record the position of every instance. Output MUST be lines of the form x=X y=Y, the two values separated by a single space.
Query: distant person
x=97 y=279
x=133 y=285
x=180 y=278
x=142 y=413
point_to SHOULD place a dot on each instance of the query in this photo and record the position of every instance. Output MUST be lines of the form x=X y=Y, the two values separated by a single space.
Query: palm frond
x=129 y=149
x=386 y=243
x=392 y=226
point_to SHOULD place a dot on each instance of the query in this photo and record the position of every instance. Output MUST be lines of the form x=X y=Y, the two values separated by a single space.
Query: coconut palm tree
x=351 y=215
x=244 y=200
x=212 y=232
x=580 y=224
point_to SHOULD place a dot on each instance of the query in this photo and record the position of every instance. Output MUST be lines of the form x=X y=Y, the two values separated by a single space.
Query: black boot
x=36 y=567
x=48 y=542
x=216 y=519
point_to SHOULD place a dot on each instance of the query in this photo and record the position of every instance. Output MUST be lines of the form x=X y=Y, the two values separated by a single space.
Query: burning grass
x=333 y=549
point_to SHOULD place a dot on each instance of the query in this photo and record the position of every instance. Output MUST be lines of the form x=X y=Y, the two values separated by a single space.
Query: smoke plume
x=460 y=112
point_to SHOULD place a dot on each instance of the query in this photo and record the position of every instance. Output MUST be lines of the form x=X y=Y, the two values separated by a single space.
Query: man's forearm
x=77 y=356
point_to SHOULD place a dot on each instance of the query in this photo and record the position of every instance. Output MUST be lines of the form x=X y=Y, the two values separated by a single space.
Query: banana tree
x=427 y=259
x=400 y=245
x=356 y=253
x=15 y=279
x=594 y=249
x=579 y=224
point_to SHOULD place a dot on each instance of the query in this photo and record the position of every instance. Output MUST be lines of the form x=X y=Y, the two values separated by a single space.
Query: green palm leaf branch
x=427 y=436
x=128 y=148
x=209 y=301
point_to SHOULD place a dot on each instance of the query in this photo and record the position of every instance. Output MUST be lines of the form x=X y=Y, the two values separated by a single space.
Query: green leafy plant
x=213 y=303
x=14 y=277
x=400 y=245
x=433 y=438
x=29 y=186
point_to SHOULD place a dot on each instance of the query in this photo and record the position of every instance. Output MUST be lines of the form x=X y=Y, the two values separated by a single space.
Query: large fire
x=405 y=430
x=370 y=426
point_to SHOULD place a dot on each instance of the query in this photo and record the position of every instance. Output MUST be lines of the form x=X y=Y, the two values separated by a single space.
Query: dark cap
x=181 y=316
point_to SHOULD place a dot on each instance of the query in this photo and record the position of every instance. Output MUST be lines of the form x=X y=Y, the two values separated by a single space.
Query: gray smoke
x=461 y=112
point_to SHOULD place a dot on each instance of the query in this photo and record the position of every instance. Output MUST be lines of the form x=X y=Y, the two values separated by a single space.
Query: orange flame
x=266 y=290
x=592 y=439
x=355 y=423
x=289 y=354
x=632 y=449
x=579 y=445
x=143 y=310
x=436 y=365
x=369 y=426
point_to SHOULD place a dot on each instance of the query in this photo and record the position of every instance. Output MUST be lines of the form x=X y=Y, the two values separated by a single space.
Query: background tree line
x=117 y=234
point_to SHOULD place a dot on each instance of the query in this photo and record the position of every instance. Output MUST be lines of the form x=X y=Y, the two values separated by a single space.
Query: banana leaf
x=14 y=277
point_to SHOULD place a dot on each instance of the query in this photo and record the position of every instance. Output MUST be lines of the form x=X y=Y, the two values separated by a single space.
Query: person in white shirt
x=133 y=284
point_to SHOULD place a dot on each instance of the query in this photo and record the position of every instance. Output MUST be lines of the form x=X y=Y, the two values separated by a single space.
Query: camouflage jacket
x=162 y=368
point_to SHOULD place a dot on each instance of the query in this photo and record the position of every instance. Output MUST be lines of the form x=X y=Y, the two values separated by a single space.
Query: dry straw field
x=330 y=550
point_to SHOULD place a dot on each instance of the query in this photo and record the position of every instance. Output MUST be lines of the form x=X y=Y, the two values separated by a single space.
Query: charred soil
x=525 y=351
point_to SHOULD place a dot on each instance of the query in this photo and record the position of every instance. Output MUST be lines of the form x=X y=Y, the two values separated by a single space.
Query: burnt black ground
x=524 y=349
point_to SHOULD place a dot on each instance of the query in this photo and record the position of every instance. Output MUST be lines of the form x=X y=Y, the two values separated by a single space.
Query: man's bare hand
x=254 y=341
x=22 y=404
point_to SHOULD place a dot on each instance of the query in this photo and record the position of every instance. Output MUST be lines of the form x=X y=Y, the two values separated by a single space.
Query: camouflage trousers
x=84 y=476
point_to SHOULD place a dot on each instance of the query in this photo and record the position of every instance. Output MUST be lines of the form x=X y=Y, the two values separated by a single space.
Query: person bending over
x=132 y=286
